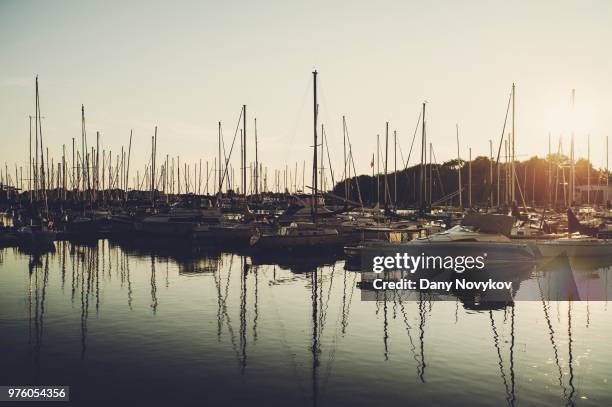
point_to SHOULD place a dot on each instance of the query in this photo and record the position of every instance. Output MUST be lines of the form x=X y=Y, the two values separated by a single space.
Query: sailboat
x=578 y=242
x=184 y=220
x=39 y=233
x=36 y=235
x=303 y=235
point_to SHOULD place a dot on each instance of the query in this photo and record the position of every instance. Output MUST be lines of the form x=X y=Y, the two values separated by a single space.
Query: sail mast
x=395 y=168
x=30 y=163
x=588 y=169
x=422 y=187
x=386 y=187
x=314 y=159
x=244 y=152
x=127 y=171
x=344 y=151
x=512 y=158
x=256 y=173
x=459 y=167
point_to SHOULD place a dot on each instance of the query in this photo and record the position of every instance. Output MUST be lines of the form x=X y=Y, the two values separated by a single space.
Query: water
x=123 y=324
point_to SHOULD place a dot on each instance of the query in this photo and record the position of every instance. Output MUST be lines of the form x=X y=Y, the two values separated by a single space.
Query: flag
x=372 y=162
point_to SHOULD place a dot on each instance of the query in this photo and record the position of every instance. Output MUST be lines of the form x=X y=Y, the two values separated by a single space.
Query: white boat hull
x=577 y=248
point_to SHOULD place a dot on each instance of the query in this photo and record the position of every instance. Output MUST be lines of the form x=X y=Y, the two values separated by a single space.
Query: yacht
x=478 y=235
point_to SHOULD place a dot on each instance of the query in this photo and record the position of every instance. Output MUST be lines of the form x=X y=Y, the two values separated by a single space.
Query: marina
x=78 y=202
x=307 y=204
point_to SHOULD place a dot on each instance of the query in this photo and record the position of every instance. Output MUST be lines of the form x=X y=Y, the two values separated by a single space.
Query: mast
x=42 y=158
x=256 y=173
x=470 y=178
x=83 y=149
x=513 y=157
x=153 y=148
x=219 y=145
x=64 y=180
x=549 y=194
x=607 y=173
x=459 y=167
x=314 y=159
x=572 y=174
x=507 y=169
x=322 y=188
x=430 y=174
x=588 y=169
x=573 y=168
x=423 y=157
x=72 y=183
x=378 y=170
x=36 y=169
x=244 y=151
x=490 y=173
x=395 y=168
x=346 y=194
x=127 y=171
x=242 y=181
x=97 y=181
x=386 y=161
x=30 y=163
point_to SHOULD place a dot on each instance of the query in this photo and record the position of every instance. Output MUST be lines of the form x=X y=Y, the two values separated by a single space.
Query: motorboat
x=484 y=235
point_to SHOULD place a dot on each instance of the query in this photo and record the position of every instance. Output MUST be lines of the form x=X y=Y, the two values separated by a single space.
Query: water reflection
x=298 y=318
x=38 y=276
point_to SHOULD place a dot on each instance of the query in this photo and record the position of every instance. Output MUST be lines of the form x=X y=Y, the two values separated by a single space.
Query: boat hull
x=320 y=241
x=493 y=251
x=165 y=228
x=589 y=248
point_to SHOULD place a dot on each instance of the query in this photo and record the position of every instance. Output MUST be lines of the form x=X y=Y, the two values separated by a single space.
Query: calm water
x=123 y=323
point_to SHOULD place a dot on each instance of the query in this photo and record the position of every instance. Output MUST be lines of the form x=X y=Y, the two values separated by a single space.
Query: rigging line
x=422 y=312
x=227 y=319
x=570 y=401
x=518 y=184
x=512 y=374
x=353 y=162
x=399 y=145
x=283 y=340
x=408 y=328
x=325 y=304
x=501 y=141
x=331 y=170
x=413 y=138
x=332 y=352
x=232 y=147
x=298 y=117
x=437 y=170
x=551 y=334
x=225 y=152
x=499 y=355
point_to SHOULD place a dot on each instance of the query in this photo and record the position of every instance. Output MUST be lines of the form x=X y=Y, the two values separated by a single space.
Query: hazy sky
x=184 y=66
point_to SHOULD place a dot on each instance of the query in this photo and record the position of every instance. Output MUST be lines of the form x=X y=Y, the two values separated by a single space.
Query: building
x=594 y=194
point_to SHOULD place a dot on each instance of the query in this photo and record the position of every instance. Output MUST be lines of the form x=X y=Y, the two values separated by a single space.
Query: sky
x=184 y=66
